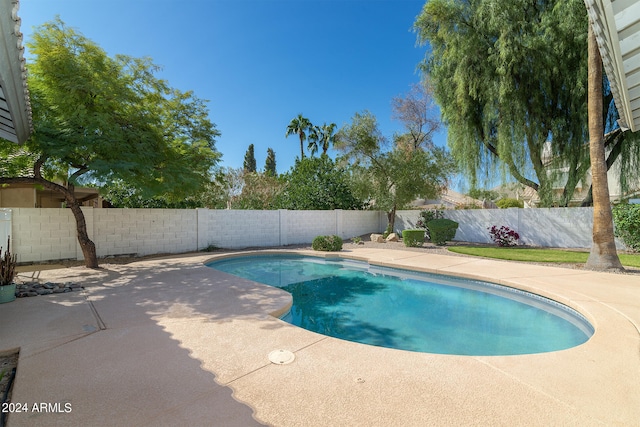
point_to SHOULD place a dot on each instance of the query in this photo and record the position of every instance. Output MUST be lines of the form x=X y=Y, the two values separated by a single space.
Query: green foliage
x=317 y=183
x=626 y=218
x=442 y=230
x=480 y=194
x=249 y=163
x=270 y=163
x=390 y=180
x=300 y=126
x=413 y=238
x=109 y=118
x=427 y=215
x=387 y=231
x=509 y=76
x=356 y=240
x=509 y=203
x=8 y=262
x=327 y=243
x=259 y=191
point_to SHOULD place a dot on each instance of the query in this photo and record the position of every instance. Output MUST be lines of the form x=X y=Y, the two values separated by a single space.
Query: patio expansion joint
x=535 y=389
x=259 y=368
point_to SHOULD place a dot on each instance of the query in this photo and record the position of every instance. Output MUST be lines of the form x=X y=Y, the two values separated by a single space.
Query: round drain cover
x=281 y=357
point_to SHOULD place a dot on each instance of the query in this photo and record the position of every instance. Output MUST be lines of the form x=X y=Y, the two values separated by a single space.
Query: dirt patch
x=8 y=365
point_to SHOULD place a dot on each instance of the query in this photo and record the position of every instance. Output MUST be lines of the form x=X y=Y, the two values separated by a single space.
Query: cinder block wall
x=50 y=234
x=546 y=227
x=43 y=234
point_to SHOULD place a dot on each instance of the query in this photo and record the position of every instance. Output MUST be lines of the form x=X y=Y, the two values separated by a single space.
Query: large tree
x=270 y=163
x=391 y=179
x=416 y=111
x=249 y=164
x=317 y=183
x=300 y=126
x=101 y=119
x=510 y=78
x=603 y=255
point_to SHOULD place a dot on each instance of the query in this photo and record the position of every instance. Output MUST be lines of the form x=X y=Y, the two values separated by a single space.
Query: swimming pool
x=413 y=311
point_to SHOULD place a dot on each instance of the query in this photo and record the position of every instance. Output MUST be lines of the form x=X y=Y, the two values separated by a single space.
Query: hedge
x=413 y=238
x=327 y=243
x=442 y=230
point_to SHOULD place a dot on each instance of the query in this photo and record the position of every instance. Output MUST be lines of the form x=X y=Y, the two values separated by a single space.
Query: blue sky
x=261 y=62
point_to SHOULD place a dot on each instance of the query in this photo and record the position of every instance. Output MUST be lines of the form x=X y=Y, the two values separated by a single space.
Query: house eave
x=616 y=24
x=15 y=107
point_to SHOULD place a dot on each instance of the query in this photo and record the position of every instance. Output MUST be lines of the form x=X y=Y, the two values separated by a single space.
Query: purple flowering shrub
x=503 y=236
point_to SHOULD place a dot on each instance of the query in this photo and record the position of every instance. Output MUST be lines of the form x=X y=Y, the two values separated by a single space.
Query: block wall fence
x=50 y=234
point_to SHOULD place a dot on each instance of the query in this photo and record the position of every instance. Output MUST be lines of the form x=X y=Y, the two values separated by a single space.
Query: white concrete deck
x=172 y=342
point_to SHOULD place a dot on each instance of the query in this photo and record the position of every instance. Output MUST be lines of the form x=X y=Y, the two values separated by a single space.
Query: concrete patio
x=172 y=342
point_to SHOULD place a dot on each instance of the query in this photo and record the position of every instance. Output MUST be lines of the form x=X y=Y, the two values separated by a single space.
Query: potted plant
x=7 y=274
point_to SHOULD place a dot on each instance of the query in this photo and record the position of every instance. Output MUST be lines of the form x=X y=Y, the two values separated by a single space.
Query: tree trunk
x=391 y=217
x=603 y=254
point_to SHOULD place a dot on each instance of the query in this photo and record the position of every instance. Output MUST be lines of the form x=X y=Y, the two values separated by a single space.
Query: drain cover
x=281 y=357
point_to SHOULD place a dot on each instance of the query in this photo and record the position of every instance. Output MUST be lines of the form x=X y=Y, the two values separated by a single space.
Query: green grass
x=538 y=255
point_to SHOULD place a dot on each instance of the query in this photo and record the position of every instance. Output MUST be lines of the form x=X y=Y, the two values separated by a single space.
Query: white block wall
x=143 y=231
x=43 y=234
x=50 y=234
x=548 y=227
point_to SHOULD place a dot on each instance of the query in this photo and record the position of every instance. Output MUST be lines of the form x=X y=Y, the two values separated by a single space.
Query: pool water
x=413 y=311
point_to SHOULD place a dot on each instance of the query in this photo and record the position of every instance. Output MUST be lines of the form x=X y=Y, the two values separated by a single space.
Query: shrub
x=388 y=231
x=413 y=238
x=509 y=203
x=426 y=216
x=626 y=218
x=503 y=236
x=327 y=243
x=442 y=230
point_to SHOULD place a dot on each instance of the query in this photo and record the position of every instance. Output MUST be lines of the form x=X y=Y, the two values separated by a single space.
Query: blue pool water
x=413 y=311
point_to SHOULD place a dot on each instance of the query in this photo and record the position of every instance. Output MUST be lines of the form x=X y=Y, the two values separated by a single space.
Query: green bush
x=327 y=243
x=413 y=238
x=509 y=203
x=626 y=218
x=442 y=230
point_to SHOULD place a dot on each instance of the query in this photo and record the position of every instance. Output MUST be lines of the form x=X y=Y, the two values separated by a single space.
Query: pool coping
x=210 y=337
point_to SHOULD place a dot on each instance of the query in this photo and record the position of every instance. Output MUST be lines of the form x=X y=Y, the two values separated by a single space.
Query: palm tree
x=315 y=135
x=603 y=255
x=298 y=126
x=327 y=136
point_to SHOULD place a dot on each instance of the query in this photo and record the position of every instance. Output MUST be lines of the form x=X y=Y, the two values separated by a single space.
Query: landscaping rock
x=393 y=237
x=377 y=238
x=34 y=289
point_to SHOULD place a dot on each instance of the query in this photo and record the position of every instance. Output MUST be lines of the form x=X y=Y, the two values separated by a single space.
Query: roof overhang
x=616 y=24
x=15 y=108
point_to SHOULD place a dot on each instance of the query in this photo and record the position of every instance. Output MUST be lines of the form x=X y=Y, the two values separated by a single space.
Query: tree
x=390 y=180
x=270 y=163
x=327 y=136
x=314 y=138
x=102 y=119
x=416 y=111
x=510 y=76
x=249 y=164
x=317 y=183
x=299 y=126
x=603 y=255
x=260 y=191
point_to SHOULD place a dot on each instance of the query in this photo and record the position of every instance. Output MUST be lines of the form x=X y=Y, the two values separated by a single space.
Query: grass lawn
x=538 y=255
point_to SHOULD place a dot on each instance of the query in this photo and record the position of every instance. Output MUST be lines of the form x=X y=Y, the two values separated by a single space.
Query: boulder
x=393 y=237
x=377 y=238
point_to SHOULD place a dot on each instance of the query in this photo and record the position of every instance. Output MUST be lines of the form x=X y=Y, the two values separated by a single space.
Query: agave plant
x=7 y=265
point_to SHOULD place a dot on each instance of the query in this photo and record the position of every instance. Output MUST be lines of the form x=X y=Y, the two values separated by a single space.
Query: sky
x=260 y=63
